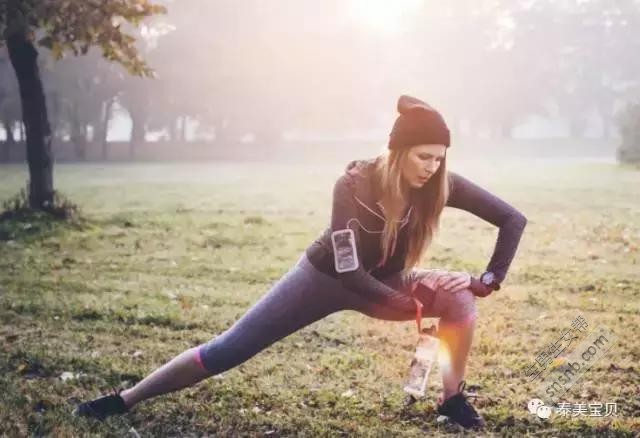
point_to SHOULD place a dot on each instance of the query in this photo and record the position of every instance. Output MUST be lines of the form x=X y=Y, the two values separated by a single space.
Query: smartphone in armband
x=344 y=250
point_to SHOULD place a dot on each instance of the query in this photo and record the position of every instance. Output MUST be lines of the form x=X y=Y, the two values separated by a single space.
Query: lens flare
x=383 y=16
x=444 y=358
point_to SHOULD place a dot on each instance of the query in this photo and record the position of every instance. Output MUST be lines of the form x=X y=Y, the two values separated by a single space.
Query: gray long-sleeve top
x=355 y=207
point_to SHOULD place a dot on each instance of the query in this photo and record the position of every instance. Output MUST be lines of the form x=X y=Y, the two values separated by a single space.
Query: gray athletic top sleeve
x=360 y=281
x=468 y=196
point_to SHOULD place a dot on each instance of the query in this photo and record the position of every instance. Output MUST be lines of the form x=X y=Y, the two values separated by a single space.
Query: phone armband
x=344 y=250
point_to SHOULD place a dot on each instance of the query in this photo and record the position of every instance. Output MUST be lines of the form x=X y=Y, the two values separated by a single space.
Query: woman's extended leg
x=303 y=296
x=180 y=372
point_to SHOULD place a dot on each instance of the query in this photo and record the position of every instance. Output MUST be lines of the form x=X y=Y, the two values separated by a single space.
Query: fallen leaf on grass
x=386 y=417
x=68 y=375
x=558 y=362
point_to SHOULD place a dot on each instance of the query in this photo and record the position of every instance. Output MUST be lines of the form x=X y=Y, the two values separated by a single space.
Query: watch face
x=488 y=278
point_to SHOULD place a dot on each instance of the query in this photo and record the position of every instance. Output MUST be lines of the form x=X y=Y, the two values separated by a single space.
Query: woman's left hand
x=454 y=281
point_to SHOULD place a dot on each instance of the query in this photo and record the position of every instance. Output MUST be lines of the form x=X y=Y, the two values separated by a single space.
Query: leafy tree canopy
x=72 y=26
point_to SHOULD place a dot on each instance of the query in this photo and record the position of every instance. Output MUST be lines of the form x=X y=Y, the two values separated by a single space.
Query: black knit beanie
x=418 y=123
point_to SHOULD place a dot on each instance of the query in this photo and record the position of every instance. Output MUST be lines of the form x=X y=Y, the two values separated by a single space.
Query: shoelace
x=115 y=393
x=466 y=405
x=465 y=397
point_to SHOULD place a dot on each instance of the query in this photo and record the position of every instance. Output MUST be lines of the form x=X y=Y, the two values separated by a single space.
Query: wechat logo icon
x=537 y=407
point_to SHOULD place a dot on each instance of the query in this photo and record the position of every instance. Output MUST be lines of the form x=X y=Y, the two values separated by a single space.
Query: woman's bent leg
x=456 y=343
x=457 y=312
x=300 y=298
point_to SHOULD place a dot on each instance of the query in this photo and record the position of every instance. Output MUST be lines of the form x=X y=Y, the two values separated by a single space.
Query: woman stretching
x=385 y=213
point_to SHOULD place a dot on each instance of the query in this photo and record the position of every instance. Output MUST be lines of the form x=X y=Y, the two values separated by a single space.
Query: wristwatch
x=489 y=279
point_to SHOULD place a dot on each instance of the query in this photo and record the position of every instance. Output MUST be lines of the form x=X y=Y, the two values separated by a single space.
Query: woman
x=392 y=205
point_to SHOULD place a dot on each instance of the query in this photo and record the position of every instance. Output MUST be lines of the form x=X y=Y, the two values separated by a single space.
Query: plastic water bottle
x=425 y=356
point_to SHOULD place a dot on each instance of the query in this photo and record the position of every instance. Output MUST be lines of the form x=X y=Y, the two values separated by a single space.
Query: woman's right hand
x=435 y=278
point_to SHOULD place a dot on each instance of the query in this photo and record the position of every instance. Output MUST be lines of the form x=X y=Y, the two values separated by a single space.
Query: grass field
x=169 y=255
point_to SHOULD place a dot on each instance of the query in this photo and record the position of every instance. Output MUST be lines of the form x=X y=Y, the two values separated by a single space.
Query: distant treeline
x=320 y=151
x=226 y=71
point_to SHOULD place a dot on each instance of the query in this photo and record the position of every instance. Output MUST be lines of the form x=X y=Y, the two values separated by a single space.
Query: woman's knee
x=460 y=307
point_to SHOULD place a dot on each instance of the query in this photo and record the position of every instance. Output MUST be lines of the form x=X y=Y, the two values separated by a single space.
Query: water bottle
x=425 y=356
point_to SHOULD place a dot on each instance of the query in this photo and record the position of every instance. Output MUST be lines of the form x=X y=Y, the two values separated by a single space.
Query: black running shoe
x=102 y=407
x=459 y=410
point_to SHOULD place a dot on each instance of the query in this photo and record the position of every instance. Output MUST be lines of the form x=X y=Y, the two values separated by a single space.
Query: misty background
x=295 y=78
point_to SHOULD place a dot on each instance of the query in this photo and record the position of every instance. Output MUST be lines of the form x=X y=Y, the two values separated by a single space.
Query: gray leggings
x=305 y=295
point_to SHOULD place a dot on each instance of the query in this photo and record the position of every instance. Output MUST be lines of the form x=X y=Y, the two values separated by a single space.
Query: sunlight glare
x=384 y=16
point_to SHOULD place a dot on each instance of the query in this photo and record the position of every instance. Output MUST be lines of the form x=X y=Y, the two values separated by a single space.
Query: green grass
x=169 y=255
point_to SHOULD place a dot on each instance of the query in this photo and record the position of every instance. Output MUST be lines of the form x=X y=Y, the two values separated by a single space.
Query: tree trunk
x=6 y=151
x=606 y=118
x=181 y=129
x=78 y=136
x=9 y=142
x=268 y=140
x=103 y=130
x=24 y=58
x=577 y=126
x=138 y=131
x=606 y=129
x=55 y=115
x=172 y=131
x=224 y=133
x=506 y=129
x=10 y=137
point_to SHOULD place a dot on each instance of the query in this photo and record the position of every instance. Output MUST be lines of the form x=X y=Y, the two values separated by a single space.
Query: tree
x=63 y=26
x=9 y=106
x=81 y=92
x=629 y=149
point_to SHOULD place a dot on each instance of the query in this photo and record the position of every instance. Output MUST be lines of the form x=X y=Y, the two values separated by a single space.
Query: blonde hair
x=427 y=201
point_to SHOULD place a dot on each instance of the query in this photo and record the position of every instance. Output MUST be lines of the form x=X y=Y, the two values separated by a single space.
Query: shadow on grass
x=20 y=222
